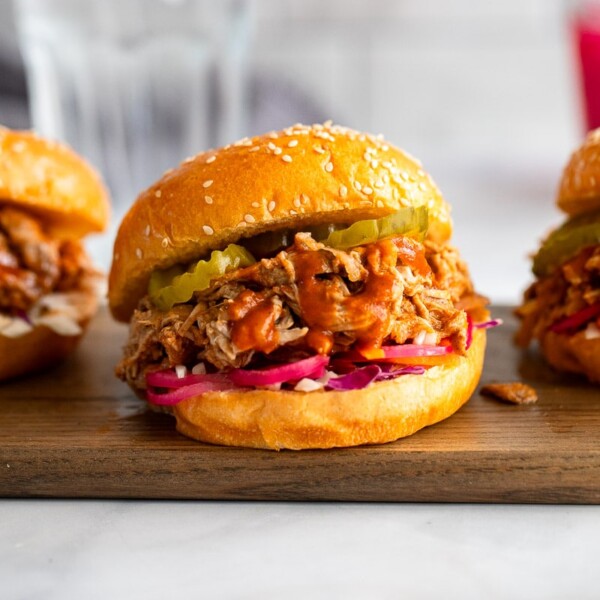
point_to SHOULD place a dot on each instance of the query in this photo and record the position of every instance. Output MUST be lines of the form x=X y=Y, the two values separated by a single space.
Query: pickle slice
x=175 y=285
x=566 y=241
x=409 y=221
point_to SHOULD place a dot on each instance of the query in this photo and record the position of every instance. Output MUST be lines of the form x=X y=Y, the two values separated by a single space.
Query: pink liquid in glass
x=586 y=26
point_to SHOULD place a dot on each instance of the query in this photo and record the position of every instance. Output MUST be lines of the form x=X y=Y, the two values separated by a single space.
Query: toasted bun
x=380 y=413
x=296 y=177
x=579 y=189
x=573 y=353
x=42 y=347
x=50 y=180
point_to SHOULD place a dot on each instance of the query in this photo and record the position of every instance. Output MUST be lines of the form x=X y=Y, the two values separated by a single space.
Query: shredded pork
x=309 y=298
x=33 y=264
x=567 y=290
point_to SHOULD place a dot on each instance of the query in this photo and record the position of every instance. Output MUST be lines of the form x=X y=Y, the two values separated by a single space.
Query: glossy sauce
x=368 y=312
x=326 y=307
x=253 y=318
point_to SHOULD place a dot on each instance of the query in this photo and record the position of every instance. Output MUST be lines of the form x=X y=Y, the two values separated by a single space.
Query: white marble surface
x=117 y=549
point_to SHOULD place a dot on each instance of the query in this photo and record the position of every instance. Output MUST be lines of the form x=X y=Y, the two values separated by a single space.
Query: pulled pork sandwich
x=296 y=290
x=561 y=309
x=49 y=198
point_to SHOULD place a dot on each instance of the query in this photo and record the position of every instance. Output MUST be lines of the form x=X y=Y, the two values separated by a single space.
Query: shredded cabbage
x=174 y=285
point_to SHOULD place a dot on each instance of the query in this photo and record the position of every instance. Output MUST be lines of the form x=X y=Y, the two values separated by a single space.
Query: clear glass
x=135 y=86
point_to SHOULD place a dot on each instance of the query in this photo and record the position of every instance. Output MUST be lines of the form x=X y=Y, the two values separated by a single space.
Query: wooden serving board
x=78 y=432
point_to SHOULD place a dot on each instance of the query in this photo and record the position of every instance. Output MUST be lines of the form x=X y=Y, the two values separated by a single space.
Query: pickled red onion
x=309 y=367
x=573 y=322
x=168 y=379
x=188 y=391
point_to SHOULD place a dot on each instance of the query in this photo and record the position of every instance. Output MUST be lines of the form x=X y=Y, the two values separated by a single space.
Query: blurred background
x=486 y=94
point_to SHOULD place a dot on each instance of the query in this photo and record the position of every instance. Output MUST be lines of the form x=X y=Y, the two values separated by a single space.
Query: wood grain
x=79 y=432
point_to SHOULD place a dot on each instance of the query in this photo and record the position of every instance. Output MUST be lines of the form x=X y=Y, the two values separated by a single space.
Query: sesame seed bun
x=579 y=189
x=382 y=412
x=297 y=177
x=50 y=180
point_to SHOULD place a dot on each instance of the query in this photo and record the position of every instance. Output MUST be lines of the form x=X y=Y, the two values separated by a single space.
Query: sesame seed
x=385 y=147
x=165 y=242
x=367 y=190
x=357 y=185
x=328 y=123
x=271 y=206
x=374 y=164
x=379 y=203
x=18 y=146
x=254 y=149
x=305 y=198
x=207 y=229
x=329 y=167
x=292 y=143
x=297 y=202
x=286 y=158
x=293 y=212
x=249 y=219
x=147 y=230
x=422 y=186
x=207 y=183
x=277 y=151
x=211 y=159
x=273 y=135
x=158 y=193
x=138 y=252
x=271 y=146
x=343 y=191
x=208 y=199
x=319 y=149
x=256 y=205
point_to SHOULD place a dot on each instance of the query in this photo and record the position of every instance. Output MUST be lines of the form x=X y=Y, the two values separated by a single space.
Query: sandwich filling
x=41 y=278
x=308 y=299
x=565 y=301
x=565 y=298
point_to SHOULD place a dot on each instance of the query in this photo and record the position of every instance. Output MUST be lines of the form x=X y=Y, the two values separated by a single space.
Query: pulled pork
x=309 y=298
x=32 y=264
x=567 y=290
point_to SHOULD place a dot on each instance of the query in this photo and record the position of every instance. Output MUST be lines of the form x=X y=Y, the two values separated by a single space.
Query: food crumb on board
x=514 y=392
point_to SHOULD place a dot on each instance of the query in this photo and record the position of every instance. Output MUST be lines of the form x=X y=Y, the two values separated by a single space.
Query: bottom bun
x=573 y=354
x=42 y=347
x=382 y=412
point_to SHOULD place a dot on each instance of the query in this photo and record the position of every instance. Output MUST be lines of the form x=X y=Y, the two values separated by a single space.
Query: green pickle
x=408 y=221
x=175 y=285
x=566 y=241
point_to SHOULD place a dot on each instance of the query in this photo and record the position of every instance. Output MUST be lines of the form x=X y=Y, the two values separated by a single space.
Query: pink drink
x=586 y=27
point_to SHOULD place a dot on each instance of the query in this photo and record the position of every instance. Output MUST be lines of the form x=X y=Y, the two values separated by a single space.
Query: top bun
x=297 y=177
x=579 y=190
x=49 y=179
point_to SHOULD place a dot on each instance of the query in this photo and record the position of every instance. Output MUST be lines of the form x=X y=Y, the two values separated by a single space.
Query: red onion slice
x=168 y=379
x=183 y=393
x=313 y=367
x=573 y=322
